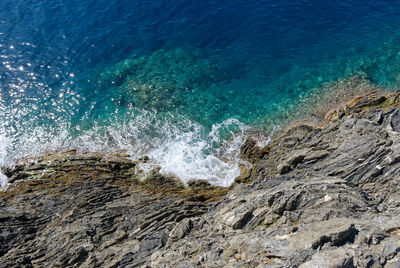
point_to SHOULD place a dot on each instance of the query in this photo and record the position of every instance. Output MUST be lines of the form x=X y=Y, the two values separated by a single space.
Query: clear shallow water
x=180 y=81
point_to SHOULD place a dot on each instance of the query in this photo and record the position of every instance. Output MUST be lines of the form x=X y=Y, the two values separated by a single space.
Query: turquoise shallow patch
x=182 y=81
x=203 y=87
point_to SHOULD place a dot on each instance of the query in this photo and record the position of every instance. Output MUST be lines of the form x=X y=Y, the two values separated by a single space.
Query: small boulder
x=335 y=231
x=336 y=258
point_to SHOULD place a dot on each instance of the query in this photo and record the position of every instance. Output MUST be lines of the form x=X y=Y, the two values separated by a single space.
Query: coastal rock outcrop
x=316 y=196
x=320 y=196
x=88 y=209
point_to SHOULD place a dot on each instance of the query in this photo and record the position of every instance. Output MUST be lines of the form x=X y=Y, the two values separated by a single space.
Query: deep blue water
x=176 y=79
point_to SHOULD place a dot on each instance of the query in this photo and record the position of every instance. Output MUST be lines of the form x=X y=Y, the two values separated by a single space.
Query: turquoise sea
x=182 y=82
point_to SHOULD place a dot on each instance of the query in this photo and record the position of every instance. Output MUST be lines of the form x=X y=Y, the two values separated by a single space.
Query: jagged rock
x=336 y=206
x=87 y=209
x=390 y=248
x=251 y=152
x=181 y=229
x=290 y=163
x=336 y=232
x=317 y=196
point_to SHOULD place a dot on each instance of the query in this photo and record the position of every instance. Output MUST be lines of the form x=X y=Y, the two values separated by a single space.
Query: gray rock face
x=89 y=210
x=316 y=196
x=336 y=258
x=320 y=197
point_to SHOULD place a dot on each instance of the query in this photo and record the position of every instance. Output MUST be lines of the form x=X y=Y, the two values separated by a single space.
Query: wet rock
x=251 y=152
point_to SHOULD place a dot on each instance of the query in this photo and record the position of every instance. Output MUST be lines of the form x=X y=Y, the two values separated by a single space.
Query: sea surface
x=182 y=82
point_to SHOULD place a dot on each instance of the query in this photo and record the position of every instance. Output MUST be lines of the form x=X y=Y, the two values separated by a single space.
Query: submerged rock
x=317 y=196
x=162 y=80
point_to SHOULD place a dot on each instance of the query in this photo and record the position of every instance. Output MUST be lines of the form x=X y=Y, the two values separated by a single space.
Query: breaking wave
x=186 y=149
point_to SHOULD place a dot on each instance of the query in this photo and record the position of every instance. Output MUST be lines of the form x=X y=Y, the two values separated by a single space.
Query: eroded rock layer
x=90 y=210
x=317 y=196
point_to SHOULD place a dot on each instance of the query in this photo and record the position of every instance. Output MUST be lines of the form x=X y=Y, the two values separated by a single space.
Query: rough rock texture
x=316 y=196
x=90 y=210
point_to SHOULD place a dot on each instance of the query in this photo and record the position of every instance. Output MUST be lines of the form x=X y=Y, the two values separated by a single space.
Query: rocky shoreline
x=324 y=195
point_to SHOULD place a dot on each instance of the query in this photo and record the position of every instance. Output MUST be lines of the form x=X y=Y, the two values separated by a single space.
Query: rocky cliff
x=323 y=195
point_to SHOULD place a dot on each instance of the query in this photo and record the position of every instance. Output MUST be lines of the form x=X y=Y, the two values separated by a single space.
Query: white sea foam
x=4 y=143
x=191 y=155
x=179 y=146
